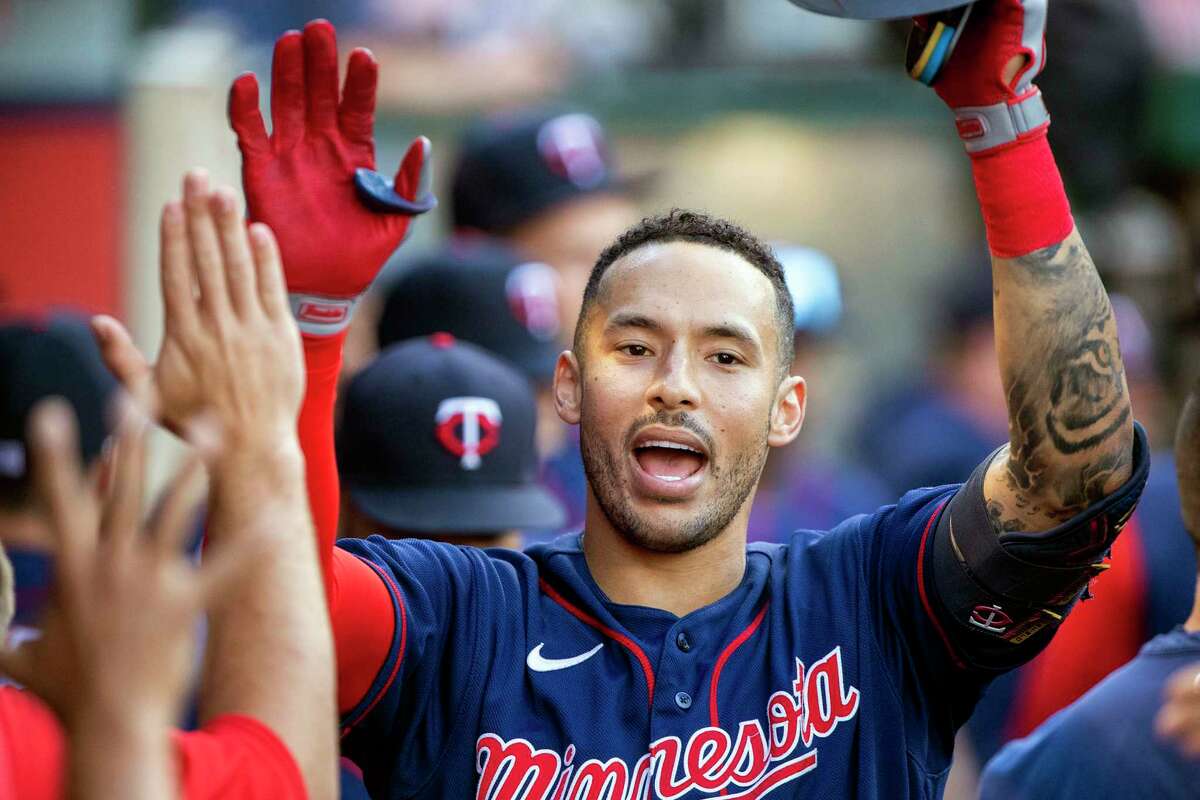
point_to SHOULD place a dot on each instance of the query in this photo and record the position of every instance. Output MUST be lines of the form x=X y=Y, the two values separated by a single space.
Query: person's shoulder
x=429 y=560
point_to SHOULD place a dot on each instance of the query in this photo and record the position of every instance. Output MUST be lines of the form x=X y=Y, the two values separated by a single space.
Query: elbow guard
x=1004 y=595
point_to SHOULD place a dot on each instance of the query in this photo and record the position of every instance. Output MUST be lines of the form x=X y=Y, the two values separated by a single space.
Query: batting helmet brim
x=877 y=9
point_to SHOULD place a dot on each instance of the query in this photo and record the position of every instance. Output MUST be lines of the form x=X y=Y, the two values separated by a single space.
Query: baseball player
x=1105 y=744
x=655 y=653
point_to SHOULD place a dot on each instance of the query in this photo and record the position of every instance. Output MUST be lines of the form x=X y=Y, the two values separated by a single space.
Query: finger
x=175 y=269
x=320 y=74
x=176 y=514
x=356 y=115
x=287 y=91
x=58 y=481
x=206 y=250
x=239 y=265
x=415 y=176
x=268 y=265
x=121 y=356
x=245 y=117
x=123 y=509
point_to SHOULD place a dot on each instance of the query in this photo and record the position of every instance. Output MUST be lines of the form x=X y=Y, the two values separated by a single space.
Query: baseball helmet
x=876 y=9
x=930 y=42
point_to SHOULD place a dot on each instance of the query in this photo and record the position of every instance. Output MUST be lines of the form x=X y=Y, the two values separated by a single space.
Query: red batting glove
x=335 y=229
x=991 y=113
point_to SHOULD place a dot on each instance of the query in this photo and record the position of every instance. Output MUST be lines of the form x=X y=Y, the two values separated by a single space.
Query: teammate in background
x=437 y=442
x=1105 y=744
x=231 y=361
x=484 y=292
x=800 y=487
x=546 y=185
x=40 y=358
x=656 y=652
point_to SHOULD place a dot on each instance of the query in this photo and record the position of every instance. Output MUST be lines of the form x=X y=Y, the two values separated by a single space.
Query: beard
x=733 y=483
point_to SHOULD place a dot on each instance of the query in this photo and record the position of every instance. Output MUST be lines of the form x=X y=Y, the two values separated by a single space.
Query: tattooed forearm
x=1070 y=426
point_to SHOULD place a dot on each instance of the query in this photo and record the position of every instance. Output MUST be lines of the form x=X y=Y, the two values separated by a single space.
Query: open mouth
x=670 y=463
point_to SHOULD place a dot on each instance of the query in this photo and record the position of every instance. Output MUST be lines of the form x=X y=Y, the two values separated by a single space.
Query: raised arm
x=1070 y=424
x=337 y=221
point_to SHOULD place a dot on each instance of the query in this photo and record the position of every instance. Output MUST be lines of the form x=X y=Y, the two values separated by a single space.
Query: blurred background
x=803 y=128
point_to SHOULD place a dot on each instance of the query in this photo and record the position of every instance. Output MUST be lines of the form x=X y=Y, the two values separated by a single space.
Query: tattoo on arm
x=1070 y=431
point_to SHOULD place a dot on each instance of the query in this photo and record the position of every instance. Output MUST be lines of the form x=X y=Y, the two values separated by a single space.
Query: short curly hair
x=683 y=225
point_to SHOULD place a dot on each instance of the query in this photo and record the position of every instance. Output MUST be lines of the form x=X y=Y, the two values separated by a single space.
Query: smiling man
x=655 y=653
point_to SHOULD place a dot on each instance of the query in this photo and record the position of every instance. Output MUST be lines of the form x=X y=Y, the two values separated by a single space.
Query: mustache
x=680 y=419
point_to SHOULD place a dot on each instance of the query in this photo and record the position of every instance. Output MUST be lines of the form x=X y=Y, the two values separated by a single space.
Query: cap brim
x=467 y=510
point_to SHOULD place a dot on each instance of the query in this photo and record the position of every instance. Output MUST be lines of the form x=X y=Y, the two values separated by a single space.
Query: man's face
x=679 y=393
x=569 y=237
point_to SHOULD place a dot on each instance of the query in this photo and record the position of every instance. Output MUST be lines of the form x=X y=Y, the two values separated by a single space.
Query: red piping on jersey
x=395 y=591
x=937 y=626
x=607 y=631
x=738 y=641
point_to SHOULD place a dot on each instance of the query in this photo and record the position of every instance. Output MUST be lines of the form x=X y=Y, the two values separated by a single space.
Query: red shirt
x=232 y=756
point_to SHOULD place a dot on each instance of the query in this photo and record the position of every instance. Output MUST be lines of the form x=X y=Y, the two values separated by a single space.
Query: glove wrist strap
x=319 y=315
x=984 y=128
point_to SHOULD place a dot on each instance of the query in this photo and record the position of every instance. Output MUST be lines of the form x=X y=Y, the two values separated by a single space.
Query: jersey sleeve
x=236 y=757
x=448 y=605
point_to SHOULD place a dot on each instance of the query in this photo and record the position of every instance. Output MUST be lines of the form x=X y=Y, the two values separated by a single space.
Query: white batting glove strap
x=985 y=127
x=322 y=316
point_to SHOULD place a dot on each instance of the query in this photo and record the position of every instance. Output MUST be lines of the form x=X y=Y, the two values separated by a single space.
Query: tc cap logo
x=990 y=618
x=468 y=427
x=573 y=148
x=532 y=292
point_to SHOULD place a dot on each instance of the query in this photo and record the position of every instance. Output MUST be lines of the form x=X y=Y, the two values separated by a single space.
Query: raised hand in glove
x=988 y=81
x=313 y=180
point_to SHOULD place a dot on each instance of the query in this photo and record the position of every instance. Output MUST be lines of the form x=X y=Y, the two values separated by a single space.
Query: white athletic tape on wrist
x=984 y=127
x=322 y=316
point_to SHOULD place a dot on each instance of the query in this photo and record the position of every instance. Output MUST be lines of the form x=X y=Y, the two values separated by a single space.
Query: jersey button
x=682 y=642
x=683 y=700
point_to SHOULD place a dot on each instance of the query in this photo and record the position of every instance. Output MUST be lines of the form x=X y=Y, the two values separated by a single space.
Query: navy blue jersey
x=514 y=677
x=841 y=666
x=1104 y=745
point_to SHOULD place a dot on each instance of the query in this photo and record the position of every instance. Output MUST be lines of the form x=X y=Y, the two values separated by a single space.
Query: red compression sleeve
x=359 y=604
x=1022 y=198
x=323 y=360
x=236 y=756
x=364 y=624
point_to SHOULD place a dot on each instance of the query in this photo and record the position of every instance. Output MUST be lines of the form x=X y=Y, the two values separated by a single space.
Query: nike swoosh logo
x=538 y=663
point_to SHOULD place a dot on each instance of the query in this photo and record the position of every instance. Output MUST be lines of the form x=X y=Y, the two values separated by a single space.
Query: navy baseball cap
x=514 y=166
x=437 y=436
x=54 y=358
x=481 y=292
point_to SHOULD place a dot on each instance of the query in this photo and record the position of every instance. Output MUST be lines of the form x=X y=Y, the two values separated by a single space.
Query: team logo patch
x=990 y=619
x=468 y=427
x=752 y=762
x=532 y=292
x=573 y=148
